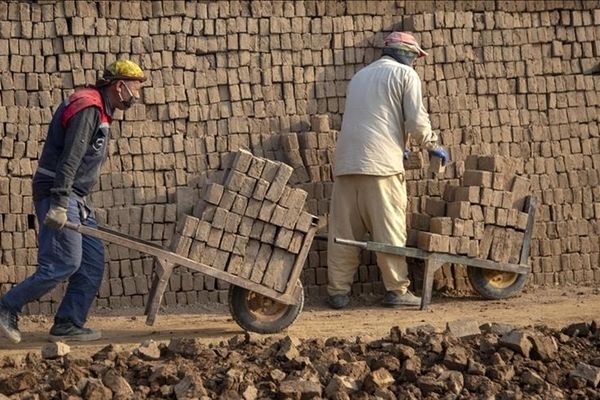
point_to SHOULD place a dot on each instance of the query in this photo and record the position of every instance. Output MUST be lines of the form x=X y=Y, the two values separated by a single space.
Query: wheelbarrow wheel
x=261 y=314
x=495 y=285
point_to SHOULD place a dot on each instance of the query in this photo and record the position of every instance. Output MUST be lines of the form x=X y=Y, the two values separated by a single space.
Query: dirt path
x=552 y=307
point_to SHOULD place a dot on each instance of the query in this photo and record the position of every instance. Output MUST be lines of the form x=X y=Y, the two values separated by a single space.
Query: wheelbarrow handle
x=72 y=226
x=347 y=242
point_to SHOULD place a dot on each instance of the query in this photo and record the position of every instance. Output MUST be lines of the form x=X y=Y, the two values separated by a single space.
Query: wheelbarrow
x=253 y=306
x=492 y=280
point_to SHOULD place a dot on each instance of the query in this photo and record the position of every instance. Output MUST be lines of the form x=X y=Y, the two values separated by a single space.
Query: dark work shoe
x=338 y=301
x=67 y=331
x=9 y=324
x=394 y=299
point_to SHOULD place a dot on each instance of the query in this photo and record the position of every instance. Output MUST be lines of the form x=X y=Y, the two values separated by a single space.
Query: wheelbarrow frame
x=166 y=260
x=434 y=261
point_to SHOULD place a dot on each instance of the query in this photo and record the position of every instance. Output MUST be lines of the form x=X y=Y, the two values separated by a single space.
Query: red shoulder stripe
x=79 y=100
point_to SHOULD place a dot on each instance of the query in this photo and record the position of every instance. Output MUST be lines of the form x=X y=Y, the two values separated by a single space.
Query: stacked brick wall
x=502 y=78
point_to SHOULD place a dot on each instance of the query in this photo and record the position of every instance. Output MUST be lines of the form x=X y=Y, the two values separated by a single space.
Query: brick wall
x=502 y=78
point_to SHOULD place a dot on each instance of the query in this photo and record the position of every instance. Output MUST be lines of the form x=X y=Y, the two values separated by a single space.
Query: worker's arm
x=78 y=134
x=416 y=119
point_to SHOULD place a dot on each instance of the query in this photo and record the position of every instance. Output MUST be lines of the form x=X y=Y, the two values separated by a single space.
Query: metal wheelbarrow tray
x=255 y=307
x=512 y=276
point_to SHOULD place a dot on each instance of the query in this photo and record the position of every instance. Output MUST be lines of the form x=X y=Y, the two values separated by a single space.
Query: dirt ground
x=550 y=306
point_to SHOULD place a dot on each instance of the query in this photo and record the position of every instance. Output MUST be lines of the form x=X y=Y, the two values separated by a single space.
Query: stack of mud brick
x=502 y=78
x=253 y=226
x=484 y=217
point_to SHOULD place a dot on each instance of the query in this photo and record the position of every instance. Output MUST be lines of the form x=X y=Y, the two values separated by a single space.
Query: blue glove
x=406 y=154
x=441 y=153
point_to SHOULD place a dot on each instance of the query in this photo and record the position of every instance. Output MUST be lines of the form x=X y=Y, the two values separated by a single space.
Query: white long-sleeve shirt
x=384 y=104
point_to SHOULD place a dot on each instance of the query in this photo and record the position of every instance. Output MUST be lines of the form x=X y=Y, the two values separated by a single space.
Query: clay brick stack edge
x=502 y=78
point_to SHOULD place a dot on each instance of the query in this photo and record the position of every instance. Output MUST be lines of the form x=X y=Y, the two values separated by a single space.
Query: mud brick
x=305 y=221
x=266 y=211
x=239 y=205
x=219 y=218
x=278 y=216
x=278 y=184
x=227 y=199
x=257 y=228
x=492 y=163
x=486 y=196
x=477 y=178
x=249 y=258
x=517 y=243
x=420 y=222
x=227 y=242
x=261 y=262
x=473 y=248
x=435 y=207
x=501 y=246
x=319 y=123
x=478 y=230
x=214 y=237
x=202 y=231
x=129 y=286
x=506 y=200
x=433 y=242
x=284 y=269
x=453 y=245
x=441 y=225
x=268 y=234
x=208 y=213
x=415 y=161
x=283 y=238
x=476 y=213
x=256 y=168
x=196 y=250
x=499 y=181
x=240 y=244
x=469 y=193
x=269 y=171
x=208 y=255
x=295 y=204
x=463 y=245
x=486 y=243
x=472 y=162
x=245 y=226
x=221 y=259
x=511 y=219
x=212 y=193
x=459 y=209
x=520 y=190
x=469 y=228
x=232 y=222
x=253 y=208
x=296 y=243
x=449 y=193
x=497 y=198
x=412 y=237
x=242 y=161
x=187 y=226
x=436 y=166
x=501 y=216
x=234 y=266
x=522 y=218
x=248 y=186
x=458 y=227
x=260 y=189
x=234 y=181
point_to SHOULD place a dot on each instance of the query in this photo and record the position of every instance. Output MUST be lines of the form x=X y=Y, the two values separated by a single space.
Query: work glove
x=440 y=152
x=56 y=218
x=406 y=154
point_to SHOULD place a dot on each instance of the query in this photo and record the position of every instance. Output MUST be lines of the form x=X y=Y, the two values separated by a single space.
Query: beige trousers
x=363 y=204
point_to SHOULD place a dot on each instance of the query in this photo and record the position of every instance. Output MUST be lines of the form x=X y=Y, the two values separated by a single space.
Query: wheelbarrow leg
x=430 y=267
x=162 y=272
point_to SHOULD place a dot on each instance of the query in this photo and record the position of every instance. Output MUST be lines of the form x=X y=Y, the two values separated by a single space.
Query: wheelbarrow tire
x=495 y=285
x=276 y=318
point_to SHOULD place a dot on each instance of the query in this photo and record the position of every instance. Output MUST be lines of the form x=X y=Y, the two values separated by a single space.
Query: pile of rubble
x=491 y=361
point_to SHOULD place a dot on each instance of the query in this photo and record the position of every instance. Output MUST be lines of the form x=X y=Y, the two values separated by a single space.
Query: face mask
x=130 y=101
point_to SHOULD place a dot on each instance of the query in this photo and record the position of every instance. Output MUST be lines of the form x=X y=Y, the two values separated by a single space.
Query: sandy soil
x=553 y=307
